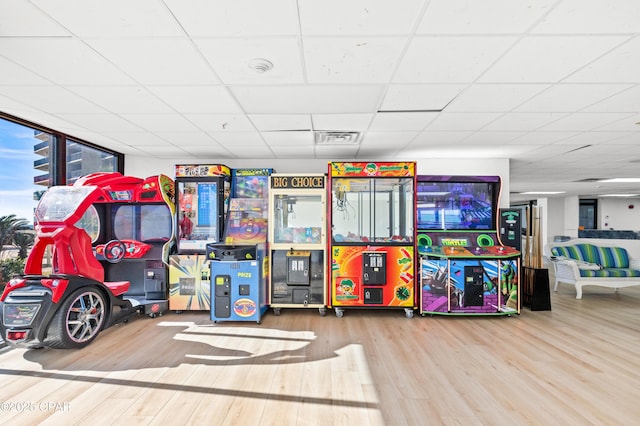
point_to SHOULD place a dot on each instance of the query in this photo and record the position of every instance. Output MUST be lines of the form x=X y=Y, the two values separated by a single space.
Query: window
x=588 y=213
x=33 y=158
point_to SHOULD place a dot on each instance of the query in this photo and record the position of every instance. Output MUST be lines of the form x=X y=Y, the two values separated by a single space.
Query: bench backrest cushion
x=607 y=257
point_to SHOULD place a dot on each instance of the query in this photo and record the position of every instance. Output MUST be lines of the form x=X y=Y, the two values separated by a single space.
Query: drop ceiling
x=554 y=86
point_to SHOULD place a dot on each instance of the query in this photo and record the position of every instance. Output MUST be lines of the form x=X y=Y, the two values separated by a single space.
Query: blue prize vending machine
x=238 y=282
x=238 y=264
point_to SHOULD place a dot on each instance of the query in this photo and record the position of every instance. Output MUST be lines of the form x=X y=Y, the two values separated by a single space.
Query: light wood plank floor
x=577 y=364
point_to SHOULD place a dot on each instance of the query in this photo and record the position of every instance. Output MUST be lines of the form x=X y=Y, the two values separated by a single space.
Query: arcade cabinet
x=202 y=199
x=297 y=241
x=464 y=267
x=238 y=266
x=132 y=227
x=371 y=211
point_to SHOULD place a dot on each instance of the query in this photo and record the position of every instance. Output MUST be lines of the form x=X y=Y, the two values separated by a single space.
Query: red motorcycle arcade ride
x=110 y=237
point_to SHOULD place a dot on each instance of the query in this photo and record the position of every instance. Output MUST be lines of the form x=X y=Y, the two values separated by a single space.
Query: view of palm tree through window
x=28 y=166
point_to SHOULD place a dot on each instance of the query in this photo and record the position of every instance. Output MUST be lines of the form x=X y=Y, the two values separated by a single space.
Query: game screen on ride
x=455 y=205
x=145 y=222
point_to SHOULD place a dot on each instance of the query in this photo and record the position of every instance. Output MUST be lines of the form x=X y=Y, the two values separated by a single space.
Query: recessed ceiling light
x=620 y=180
x=619 y=195
x=260 y=65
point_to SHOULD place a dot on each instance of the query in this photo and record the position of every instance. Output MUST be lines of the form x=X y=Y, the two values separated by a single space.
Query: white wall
x=614 y=213
x=143 y=166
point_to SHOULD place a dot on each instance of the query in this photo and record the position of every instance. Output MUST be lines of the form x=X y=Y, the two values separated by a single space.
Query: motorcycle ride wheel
x=78 y=321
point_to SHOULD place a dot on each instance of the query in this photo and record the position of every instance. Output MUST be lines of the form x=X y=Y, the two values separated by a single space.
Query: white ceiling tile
x=548 y=59
x=135 y=138
x=161 y=122
x=257 y=151
x=620 y=65
x=231 y=59
x=183 y=139
x=570 y=97
x=281 y=121
x=298 y=151
x=543 y=138
x=204 y=18
x=162 y=151
x=358 y=17
x=439 y=138
x=377 y=153
x=449 y=59
x=460 y=151
x=16 y=108
x=461 y=121
x=494 y=97
x=351 y=60
x=523 y=121
x=197 y=99
x=419 y=97
x=115 y=18
x=489 y=137
x=52 y=99
x=625 y=101
x=308 y=99
x=336 y=153
x=584 y=121
x=21 y=18
x=381 y=139
x=63 y=61
x=385 y=121
x=598 y=137
x=147 y=60
x=221 y=122
x=231 y=140
x=210 y=151
x=475 y=17
x=288 y=138
x=18 y=75
x=100 y=122
x=341 y=122
x=122 y=99
x=591 y=17
x=626 y=124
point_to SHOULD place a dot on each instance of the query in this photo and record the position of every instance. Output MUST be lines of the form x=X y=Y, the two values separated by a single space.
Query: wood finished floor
x=577 y=364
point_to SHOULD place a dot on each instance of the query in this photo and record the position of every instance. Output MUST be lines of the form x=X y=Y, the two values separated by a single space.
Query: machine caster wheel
x=152 y=315
x=408 y=313
x=323 y=312
x=258 y=322
x=339 y=313
x=276 y=312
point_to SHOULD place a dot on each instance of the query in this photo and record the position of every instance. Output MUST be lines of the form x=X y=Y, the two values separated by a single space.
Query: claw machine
x=371 y=210
x=202 y=197
x=465 y=269
x=239 y=264
x=297 y=241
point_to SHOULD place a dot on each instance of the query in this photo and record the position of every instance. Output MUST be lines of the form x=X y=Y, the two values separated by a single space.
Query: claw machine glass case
x=297 y=241
x=202 y=196
x=372 y=208
x=464 y=267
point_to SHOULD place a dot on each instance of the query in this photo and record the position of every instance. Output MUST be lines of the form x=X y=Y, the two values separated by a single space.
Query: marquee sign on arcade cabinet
x=372 y=208
x=464 y=267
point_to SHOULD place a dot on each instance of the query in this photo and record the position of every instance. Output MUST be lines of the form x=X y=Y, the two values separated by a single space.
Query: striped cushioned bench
x=588 y=264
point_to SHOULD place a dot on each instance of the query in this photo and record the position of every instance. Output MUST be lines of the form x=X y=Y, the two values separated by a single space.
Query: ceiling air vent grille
x=337 y=138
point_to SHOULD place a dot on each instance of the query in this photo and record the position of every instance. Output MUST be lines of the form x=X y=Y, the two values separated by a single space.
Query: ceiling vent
x=337 y=138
